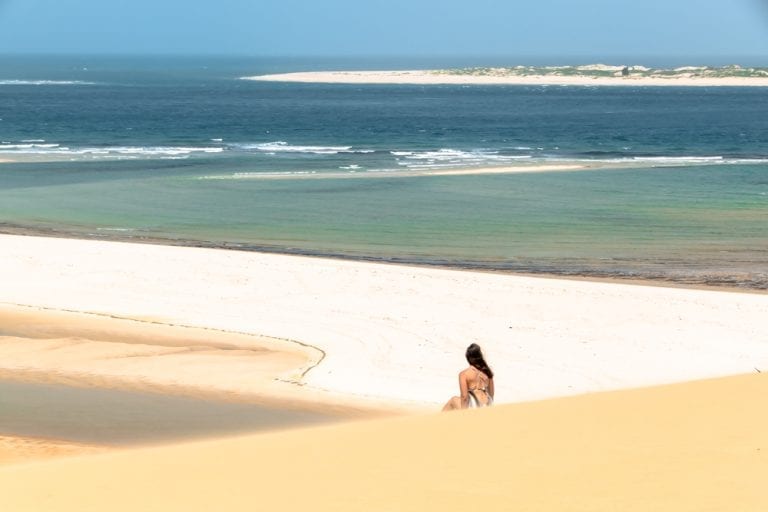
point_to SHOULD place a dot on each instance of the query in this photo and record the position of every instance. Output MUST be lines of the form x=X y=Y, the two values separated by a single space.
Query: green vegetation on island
x=603 y=70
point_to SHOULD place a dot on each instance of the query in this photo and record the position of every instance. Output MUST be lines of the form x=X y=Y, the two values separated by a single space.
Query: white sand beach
x=429 y=77
x=377 y=333
x=367 y=339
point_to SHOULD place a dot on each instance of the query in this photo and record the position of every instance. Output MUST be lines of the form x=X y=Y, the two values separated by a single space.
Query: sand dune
x=24 y=449
x=687 y=447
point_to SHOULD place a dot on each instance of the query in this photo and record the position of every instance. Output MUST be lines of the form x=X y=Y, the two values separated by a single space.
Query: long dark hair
x=475 y=358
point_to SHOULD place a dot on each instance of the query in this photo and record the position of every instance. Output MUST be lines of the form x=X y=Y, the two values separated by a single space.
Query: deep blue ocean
x=183 y=150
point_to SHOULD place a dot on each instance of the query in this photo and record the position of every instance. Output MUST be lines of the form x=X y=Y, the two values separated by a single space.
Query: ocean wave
x=27 y=146
x=447 y=157
x=122 y=230
x=161 y=150
x=682 y=159
x=106 y=151
x=46 y=82
x=746 y=161
x=284 y=147
x=256 y=175
x=660 y=161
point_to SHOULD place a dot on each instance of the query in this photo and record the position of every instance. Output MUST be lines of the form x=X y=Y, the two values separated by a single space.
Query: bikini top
x=480 y=386
x=480 y=382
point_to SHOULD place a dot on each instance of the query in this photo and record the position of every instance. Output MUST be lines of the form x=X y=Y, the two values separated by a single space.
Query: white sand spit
x=398 y=333
x=426 y=77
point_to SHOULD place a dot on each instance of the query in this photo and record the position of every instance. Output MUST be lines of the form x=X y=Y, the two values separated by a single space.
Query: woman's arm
x=463 y=390
x=490 y=389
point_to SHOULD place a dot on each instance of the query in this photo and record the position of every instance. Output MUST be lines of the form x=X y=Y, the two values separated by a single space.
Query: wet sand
x=113 y=417
x=74 y=384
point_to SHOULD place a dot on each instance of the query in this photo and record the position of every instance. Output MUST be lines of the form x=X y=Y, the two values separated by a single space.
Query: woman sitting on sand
x=475 y=383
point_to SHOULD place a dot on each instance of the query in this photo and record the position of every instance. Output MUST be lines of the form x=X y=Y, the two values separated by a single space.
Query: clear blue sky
x=600 y=28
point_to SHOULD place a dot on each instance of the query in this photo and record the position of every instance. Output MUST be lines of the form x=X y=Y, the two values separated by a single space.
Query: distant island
x=593 y=74
x=603 y=70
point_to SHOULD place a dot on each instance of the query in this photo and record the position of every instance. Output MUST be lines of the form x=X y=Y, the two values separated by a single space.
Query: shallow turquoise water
x=675 y=223
x=189 y=153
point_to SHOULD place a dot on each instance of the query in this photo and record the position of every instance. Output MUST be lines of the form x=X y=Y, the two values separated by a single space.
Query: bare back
x=479 y=387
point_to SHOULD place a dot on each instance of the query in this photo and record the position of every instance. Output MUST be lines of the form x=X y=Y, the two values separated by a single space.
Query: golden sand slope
x=687 y=447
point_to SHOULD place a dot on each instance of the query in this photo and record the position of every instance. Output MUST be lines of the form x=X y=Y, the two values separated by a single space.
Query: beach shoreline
x=372 y=321
x=710 y=282
x=431 y=77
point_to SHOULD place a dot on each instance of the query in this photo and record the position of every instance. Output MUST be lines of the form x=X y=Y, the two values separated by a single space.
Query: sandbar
x=430 y=77
x=521 y=168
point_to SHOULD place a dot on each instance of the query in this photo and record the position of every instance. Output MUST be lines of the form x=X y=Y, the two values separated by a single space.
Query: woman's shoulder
x=471 y=371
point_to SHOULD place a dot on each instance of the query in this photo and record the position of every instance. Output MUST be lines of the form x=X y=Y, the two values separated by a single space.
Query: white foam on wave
x=747 y=161
x=162 y=150
x=447 y=157
x=678 y=158
x=696 y=160
x=256 y=175
x=45 y=82
x=107 y=151
x=116 y=229
x=432 y=166
x=283 y=147
x=661 y=161
x=28 y=146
